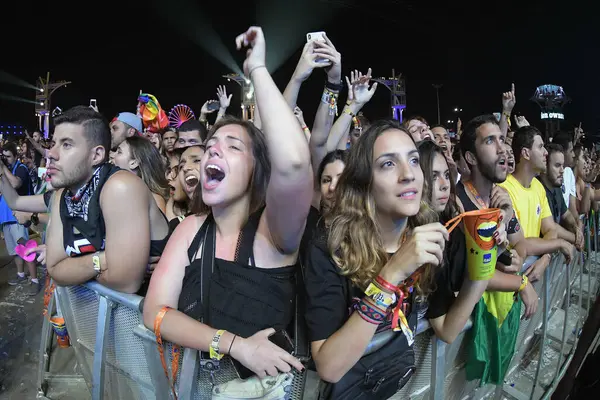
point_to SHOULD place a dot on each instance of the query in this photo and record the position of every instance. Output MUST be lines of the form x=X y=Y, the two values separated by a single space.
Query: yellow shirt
x=530 y=204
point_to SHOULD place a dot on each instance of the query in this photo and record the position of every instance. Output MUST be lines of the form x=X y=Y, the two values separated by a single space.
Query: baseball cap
x=132 y=120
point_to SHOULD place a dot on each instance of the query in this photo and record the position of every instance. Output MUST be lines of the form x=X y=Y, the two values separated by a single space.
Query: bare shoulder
x=124 y=181
x=190 y=224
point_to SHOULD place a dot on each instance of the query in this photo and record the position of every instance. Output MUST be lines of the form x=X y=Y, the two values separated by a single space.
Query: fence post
x=438 y=368
x=98 y=371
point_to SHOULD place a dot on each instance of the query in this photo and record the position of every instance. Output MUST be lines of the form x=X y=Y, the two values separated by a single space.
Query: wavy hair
x=354 y=240
x=428 y=149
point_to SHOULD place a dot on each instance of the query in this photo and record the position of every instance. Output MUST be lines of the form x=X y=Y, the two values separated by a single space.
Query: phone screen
x=92 y=102
x=282 y=339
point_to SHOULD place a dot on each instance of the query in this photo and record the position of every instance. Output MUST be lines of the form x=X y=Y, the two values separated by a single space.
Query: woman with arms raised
x=251 y=205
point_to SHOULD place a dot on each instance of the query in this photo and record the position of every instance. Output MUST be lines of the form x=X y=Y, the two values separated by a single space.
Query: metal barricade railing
x=118 y=357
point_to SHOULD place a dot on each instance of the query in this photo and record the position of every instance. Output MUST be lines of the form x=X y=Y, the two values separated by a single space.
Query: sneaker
x=33 y=289
x=18 y=281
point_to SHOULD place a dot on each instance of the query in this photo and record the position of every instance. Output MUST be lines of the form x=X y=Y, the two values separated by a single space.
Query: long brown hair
x=151 y=166
x=262 y=166
x=354 y=240
x=428 y=150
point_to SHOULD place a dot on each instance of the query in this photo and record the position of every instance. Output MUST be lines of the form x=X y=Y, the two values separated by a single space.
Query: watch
x=96 y=262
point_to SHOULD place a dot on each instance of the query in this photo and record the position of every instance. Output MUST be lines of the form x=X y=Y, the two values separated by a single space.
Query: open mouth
x=191 y=180
x=214 y=173
x=171 y=190
x=486 y=230
x=502 y=162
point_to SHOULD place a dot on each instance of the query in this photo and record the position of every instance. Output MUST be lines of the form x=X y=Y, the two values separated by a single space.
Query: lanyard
x=469 y=186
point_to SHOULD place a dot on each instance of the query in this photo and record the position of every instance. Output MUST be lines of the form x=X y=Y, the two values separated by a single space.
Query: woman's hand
x=425 y=245
x=224 y=100
x=261 y=356
x=254 y=39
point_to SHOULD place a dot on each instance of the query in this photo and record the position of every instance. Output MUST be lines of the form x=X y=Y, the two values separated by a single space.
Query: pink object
x=21 y=250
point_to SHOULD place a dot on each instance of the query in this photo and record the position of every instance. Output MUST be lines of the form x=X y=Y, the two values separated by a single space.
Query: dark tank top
x=241 y=298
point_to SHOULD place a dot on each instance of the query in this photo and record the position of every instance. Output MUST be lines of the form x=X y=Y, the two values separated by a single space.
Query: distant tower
x=42 y=101
x=551 y=99
x=397 y=89
x=248 y=100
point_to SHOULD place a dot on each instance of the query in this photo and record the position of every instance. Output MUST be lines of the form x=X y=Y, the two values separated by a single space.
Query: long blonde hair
x=354 y=238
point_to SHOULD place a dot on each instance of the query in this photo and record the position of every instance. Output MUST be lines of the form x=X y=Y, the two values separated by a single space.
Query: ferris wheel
x=179 y=114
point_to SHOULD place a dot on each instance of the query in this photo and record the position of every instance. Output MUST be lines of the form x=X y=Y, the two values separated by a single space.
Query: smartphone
x=93 y=103
x=505 y=258
x=41 y=172
x=215 y=105
x=283 y=340
x=317 y=37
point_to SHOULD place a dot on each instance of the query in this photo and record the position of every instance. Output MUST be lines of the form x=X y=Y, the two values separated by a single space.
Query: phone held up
x=93 y=103
x=213 y=106
x=318 y=37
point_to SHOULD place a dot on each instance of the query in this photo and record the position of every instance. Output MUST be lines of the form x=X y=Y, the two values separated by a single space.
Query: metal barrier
x=118 y=358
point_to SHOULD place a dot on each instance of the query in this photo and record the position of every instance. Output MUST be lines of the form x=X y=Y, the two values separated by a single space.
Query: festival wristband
x=370 y=313
x=524 y=283
x=330 y=98
x=385 y=284
x=175 y=351
x=348 y=111
x=379 y=296
x=214 y=345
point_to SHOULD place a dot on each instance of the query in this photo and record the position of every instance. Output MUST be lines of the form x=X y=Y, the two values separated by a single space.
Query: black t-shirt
x=327 y=307
x=556 y=202
x=449 y=278
x=330 y=297
x=26 y=188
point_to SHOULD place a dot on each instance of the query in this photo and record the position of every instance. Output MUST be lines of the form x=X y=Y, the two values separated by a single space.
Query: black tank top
x=461 y=192
x=242 y=298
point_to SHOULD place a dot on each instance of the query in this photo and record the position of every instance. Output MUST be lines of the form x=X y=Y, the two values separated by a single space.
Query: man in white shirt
x=569 y=190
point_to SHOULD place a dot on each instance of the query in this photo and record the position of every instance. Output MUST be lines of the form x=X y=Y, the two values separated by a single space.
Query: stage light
x=41 y=103
x=41 y=90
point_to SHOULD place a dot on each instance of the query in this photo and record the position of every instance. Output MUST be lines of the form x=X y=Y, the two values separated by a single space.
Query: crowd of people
x=216 y=224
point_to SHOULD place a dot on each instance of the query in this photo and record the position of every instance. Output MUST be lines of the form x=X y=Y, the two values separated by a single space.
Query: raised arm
x=20 y=203
x=290 y=187
x=508 y=103
x=359 y=94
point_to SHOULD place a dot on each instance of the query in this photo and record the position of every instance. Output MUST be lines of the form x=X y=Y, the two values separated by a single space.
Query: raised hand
x=521 y=121
x=300 y=115
x=307 y=63
x=509 y=99
x=261 y=356
x=359 y=91
x=205 y=109
x=327 y=50
x=224 y=100
x=254 y=40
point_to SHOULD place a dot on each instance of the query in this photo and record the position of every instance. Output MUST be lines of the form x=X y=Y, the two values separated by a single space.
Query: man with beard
x=529 y=198
x=95 y=207
x=552 y=180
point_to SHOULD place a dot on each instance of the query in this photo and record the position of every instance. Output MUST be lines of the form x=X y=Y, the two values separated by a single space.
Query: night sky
x=112 y=51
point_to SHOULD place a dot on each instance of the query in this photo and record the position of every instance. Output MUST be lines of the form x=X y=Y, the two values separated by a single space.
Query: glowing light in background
x=187 y=18
x=13 y=80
